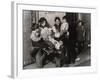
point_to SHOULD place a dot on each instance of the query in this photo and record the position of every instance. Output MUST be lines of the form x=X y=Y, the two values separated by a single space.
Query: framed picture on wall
x=52 y=40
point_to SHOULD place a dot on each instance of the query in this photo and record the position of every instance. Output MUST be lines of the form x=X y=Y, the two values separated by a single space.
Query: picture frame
x=17 y=70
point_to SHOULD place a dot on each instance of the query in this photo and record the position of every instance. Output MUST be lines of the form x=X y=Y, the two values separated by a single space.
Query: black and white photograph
x=54 y=39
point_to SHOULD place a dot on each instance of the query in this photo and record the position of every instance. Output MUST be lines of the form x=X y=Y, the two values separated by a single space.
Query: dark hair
x=41 y=20
x=57 y=26
x=64 y=17
x=57 y=18
x=34 y=26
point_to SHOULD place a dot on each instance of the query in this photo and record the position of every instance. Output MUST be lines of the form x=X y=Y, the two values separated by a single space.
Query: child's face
x=64 y=20
x=37 y=32
x=43 y=23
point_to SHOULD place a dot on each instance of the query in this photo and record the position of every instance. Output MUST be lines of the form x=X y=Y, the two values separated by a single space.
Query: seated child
x=35 y=35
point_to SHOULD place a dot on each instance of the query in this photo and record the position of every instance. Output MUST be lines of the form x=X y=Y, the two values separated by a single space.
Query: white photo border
x=17 y=52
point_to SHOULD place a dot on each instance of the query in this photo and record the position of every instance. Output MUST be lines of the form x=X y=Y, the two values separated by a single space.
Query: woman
x=56 y=28
x=59 y=52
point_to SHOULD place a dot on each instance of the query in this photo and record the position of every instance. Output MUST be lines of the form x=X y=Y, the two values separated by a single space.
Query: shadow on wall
x=26 y=37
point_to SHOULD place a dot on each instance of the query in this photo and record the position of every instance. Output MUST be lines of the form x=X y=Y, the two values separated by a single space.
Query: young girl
x=35 y=35
x=65 y=38
x=56 y=28
x=64 y=27
x=44 y=43
x=59 y=49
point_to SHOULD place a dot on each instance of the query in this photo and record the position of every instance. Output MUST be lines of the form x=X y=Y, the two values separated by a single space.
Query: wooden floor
x=85 y=60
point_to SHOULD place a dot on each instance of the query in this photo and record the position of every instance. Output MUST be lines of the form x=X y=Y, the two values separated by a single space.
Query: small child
x=64 y=26
x=35 y=35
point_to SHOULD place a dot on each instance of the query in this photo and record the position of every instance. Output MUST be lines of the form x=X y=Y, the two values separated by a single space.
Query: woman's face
x=43 y=23
x=57 y=22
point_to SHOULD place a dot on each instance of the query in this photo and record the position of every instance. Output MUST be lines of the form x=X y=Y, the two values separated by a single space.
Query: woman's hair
x=57 y=26
x=57 y=18
x=41 y=20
